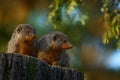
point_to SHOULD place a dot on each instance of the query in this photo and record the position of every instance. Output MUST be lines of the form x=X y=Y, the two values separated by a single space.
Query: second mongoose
x=52 y=48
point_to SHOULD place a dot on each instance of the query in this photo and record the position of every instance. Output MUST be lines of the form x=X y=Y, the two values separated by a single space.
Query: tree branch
x=19 y=67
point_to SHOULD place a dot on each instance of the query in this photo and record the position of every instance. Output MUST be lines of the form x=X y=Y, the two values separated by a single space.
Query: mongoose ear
x=55 y=37
x=49 y=40
x=19 y=28
x=43 y=44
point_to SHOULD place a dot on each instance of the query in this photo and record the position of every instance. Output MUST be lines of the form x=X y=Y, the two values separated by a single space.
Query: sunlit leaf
x=114 y=20
x=105 y=40
x=51 y=5
x=109 y=34
x=117 y=31
x=54 y=26
x=113 y=30
x=83 y=19
x=118 y=44
x=71 y=6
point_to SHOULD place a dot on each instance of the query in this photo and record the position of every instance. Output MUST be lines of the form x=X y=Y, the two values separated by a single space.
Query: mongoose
x=52 y=48
x=23 y=41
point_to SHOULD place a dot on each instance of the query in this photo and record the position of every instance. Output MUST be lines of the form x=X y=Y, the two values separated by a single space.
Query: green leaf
x=105 y=40
x=118 y=44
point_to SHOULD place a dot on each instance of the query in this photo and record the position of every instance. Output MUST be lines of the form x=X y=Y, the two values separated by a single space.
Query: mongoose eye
x=28 y=32
x=65 y=41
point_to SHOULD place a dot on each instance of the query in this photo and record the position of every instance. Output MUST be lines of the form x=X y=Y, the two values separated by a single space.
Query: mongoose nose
x=66 y=46
x=29 y=38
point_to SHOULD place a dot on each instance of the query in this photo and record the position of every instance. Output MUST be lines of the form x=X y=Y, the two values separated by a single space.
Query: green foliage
x=55 y=12
x=66 y=13
x=113 y=12
x=109 y=8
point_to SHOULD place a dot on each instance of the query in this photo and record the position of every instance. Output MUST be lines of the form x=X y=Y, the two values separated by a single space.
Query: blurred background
x=92 y=26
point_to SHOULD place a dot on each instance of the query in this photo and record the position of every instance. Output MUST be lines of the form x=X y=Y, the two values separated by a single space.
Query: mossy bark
x=19 y=67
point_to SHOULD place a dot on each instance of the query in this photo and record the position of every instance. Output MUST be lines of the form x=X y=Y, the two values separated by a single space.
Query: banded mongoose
x=52 y=48
x=23 y=41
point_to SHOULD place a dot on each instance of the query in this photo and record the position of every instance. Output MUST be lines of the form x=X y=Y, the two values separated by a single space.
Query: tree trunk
x=20 y=67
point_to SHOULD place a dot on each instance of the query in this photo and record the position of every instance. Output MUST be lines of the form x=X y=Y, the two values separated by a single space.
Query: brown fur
x=23 y=41
x=52 y=48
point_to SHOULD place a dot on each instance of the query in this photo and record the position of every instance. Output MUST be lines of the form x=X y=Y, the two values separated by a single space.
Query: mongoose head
x=25 y=32
x=56 y=41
